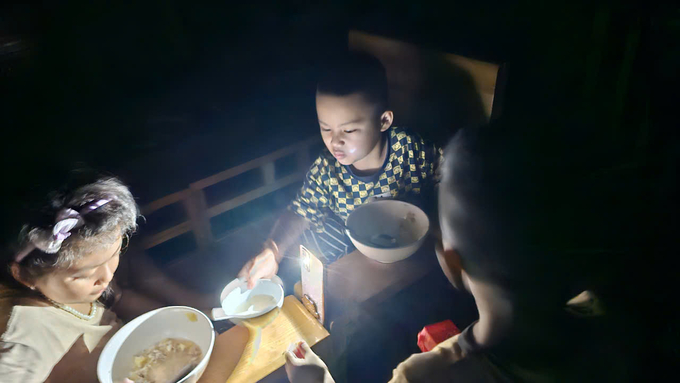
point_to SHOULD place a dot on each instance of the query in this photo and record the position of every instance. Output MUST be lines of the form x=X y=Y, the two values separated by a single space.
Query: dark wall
x=146 y=89
x=167 y=92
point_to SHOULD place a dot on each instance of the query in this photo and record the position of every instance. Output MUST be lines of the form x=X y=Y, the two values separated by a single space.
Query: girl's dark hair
x=101 y=226
x=355 y=72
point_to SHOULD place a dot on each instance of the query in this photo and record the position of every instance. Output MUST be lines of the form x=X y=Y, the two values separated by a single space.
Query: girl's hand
x=304 y=366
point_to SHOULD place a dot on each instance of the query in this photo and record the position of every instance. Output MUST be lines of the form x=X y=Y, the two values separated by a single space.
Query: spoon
x=239 y=292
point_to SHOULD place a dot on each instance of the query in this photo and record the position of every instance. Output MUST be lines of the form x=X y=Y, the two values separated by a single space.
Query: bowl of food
x=387 y=231
x=239 y=303
x=170 y=344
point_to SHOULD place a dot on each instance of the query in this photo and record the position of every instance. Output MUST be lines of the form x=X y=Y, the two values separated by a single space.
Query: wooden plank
x=364 y=279
x=250 y=165
x=357 y=286
x=165 y=201
x=269 y=173
x=196 y=208
x=304 y=162
x=194 y=197
x=407 y=69
x=254 y=194
x=498 y=100
x=167 y=234
x=292 y=324
x=483 y=75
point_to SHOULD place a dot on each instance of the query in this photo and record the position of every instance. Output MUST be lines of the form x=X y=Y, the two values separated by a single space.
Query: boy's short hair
x=474 y=178
x=527 y=208
x=355 y=72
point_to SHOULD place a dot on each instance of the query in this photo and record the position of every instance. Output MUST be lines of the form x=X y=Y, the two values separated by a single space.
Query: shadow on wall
x=446 y=101
x=432 y=92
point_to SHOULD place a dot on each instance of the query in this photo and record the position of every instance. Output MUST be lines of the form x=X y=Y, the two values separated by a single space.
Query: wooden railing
x=401 y=60
x=408 y=74
x=194 y=201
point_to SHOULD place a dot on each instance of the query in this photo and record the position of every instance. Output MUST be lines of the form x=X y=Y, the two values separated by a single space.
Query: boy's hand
x=263 y=266
x=304 y=366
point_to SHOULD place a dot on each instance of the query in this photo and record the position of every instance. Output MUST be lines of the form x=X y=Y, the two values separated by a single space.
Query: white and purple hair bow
x=67 y=219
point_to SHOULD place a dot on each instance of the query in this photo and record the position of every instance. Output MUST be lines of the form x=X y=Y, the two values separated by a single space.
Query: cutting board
x=293 y=324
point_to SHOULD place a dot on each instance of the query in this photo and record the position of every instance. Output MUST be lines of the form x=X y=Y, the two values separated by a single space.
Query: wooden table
x=238 y=358
x=355 y=285
x=225 y=355
x=359 y=280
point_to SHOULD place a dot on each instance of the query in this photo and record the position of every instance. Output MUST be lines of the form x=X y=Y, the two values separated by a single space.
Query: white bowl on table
x=117 y=357
x=236 y=293
x=387 y=231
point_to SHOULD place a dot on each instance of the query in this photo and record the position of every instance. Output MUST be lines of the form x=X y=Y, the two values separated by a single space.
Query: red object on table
x=433 y=334
x=299 y=351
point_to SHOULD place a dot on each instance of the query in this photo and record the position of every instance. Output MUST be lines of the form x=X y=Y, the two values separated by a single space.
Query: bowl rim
x=144 y=317
x=347 y=231
x=228 y=289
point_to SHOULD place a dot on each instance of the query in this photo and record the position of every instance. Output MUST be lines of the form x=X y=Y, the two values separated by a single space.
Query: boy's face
x=350 y=126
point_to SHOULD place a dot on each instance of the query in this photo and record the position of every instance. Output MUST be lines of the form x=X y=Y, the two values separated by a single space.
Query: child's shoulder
x=405 y=134
x=36 y=338
x=401 y=136
x=28 y=321
x=324 y=160
x=10 y=303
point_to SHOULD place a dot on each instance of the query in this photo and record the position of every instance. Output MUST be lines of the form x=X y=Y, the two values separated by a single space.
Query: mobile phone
x=313 y=276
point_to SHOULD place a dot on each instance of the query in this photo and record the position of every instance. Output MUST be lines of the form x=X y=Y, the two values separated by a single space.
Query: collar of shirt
x=374 y=177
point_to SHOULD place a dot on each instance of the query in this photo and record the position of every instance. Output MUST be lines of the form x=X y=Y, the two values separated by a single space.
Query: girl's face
x=85 y=280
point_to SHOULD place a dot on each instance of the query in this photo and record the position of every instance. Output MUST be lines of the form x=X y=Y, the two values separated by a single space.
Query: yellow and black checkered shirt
x=410 y=168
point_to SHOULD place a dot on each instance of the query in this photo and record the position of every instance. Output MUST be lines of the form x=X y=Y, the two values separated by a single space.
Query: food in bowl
x=116 y=360
x=388 y=230
x=238 y=302
x=167 y=361
x=256 y=303
x=405 y=234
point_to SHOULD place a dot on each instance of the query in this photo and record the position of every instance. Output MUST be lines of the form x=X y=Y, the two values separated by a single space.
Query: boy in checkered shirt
x=365 y=158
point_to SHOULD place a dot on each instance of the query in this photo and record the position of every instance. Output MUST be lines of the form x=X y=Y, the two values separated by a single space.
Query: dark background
x=167 y=92
x=163 y=93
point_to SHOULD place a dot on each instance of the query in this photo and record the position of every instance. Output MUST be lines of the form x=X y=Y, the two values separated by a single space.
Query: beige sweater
x=450 y=360
x=36 y=337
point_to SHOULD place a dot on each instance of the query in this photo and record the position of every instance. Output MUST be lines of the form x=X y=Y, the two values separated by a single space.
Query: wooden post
x=304 y=163
x=195 y=204
x=197 y=210
x=269 y=172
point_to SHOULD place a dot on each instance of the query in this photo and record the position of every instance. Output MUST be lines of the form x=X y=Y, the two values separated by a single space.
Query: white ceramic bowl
x=387 y=231
x=116 y=359
x=236 y=293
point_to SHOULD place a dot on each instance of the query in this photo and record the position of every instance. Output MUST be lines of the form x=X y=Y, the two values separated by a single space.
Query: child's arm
x=285 y=233
x=307 y=208
x=287 y=229
x=140 y=286
x=133 y=304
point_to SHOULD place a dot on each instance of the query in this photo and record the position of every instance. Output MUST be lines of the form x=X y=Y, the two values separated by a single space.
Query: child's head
x=351 y=104
x=70 y=249
x=512 y=216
